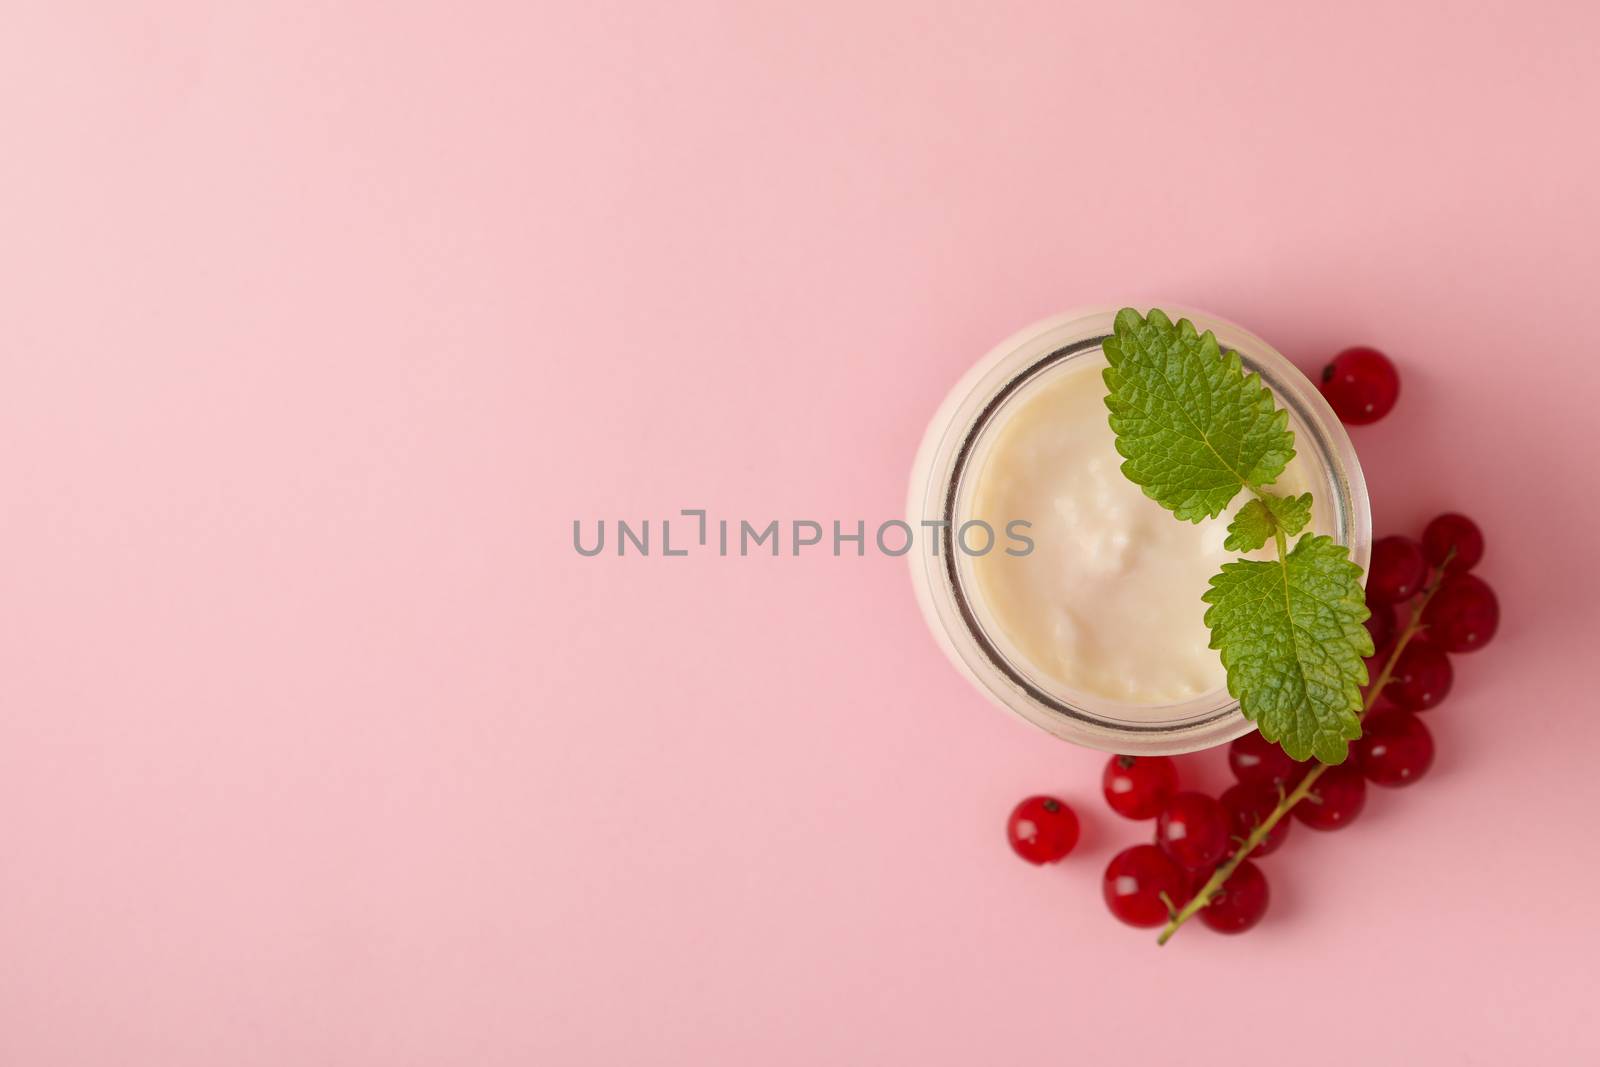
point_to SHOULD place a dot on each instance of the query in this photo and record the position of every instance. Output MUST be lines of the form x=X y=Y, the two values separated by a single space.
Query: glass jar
x=941 y=488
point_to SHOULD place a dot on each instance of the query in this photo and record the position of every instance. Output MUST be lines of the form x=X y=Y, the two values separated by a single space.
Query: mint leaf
x=1291 y=637
x=1259 y=520
x=1191 y=426
x=1193 y=429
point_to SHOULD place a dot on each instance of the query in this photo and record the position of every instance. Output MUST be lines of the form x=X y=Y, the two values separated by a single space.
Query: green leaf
x=1193 y=429
x=1191 y=426
x=1259 y=520
x=1291 y=637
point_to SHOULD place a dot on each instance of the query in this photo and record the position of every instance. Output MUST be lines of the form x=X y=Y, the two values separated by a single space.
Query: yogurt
x=1108 y=601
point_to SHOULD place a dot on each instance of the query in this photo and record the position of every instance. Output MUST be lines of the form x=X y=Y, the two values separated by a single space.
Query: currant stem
x=1220 y=876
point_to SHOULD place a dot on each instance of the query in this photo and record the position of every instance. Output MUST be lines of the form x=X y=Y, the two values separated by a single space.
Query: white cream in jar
x=1108 y=601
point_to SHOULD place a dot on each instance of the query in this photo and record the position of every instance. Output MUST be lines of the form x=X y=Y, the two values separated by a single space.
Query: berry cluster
x=1201 y=862
x=1146 y=885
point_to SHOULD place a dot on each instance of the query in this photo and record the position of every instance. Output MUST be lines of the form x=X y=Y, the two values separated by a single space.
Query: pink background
x=319 y=324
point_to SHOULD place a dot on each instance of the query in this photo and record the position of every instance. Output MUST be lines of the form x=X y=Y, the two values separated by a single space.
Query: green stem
x=1220 y=876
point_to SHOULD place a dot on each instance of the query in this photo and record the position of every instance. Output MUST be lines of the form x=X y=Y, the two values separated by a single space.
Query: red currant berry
x=1255 y=759
x=1138 y=787
x=1463 y=614
x=1240 y=903
x=1421 y=677
x=1381 y=625
x=1453 y=531
x=1134 y=884
x=1248 y=806
x=1397 y=570
x=1395 y=749
x=1361 y=385
x=1336 y=798
x=1042 y=829
x=1193 y=829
